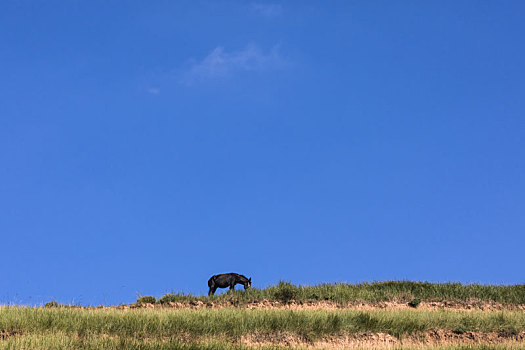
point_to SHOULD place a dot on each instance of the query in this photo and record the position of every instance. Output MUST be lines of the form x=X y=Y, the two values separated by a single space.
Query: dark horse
x=228 y=280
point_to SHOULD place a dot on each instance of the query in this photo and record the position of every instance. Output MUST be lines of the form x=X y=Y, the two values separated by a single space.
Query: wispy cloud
x=154 y=91
x=268 y=10
x=221 y=63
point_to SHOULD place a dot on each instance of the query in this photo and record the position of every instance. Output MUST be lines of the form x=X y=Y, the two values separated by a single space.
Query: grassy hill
x=334 y=318
x=398 y=291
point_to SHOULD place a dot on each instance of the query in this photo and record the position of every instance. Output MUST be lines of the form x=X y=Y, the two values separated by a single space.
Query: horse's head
x=248 y=283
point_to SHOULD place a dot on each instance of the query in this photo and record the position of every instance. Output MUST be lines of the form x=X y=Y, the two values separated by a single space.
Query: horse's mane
x=242 y=276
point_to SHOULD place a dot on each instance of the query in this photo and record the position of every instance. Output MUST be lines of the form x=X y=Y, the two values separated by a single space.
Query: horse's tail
x=211 y=281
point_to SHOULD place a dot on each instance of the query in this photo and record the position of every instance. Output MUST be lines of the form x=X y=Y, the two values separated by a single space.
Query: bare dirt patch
x=6 y=334
x=466 y=305
x=383 y=340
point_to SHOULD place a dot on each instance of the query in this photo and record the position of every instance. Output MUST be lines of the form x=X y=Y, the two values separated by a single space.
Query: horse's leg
x=213 y=288
x=211 y=284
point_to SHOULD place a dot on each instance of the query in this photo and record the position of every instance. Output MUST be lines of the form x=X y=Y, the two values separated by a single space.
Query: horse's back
x=225 y=278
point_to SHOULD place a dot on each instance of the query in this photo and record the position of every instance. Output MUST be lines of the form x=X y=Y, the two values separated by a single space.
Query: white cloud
x=154 y=91
x=268 y=10
x=220 y=63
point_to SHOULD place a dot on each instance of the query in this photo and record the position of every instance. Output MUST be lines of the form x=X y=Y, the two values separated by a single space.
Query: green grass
x=401 y=291
x=68 y=327
x=231 y=323
x=73 y=328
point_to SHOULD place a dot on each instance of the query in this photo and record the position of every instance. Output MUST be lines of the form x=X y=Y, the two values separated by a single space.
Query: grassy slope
x=232 y=323
x=403 y=291
x=74 y=328
x=236 y=322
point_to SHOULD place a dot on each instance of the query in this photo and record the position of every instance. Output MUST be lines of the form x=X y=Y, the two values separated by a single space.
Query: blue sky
x=146 y=145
